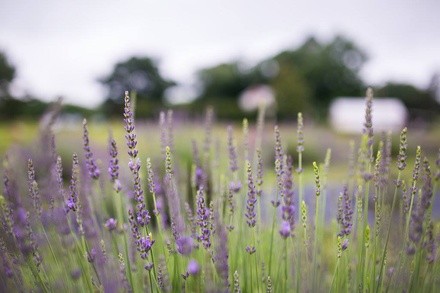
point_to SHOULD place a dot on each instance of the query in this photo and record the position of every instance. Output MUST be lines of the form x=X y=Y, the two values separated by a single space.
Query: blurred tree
x=221 y=85
x=7 y=74
x=422 y=104
x=139 y=74
x=327 y=71
x=226 y=80
x=303 y=79
x=292 y=92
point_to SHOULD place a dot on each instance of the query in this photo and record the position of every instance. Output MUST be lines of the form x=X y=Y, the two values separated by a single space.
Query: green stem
x=335 y=276
x=315 y=245
x=379 y=282
x=285 y=265
x=300 y=196
x=272 y=238
x=37 y=275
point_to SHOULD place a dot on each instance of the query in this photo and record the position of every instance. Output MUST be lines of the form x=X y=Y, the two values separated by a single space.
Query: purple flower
x=33 y=188
x=233 y=166
x=72 y=201
x=259 y=173
x=91 y=255
x=75 y=274
x=300 y=134
x=345 y=213
x=285 y=229
x=184 y=245
x=145 y=243
x=419 y=213
x=235 y=186
x=149 y=266
x=110 y=224
x=142 y=216
x=90 y=161
x=129 y=127
x=279 y=153
x=203 y=219
x=200 y=177
x=287 y=207
x=250 y=249
x=193 y=268
x=59 y=177
x=345 y=244
x=71 y=204
x=251 y=199
x=113 y=168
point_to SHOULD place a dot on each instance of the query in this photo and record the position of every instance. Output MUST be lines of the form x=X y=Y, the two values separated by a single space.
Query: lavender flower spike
x=251 y=198
x=113 y=168
x=90 y=161
x=142 y=216
x=345 y=213
x=33 y=188
x=288 y=206
x=233 y=166
x=418 y=215
x=129 y=127
x=72 y=202
x=203 y=219
x=143 y=243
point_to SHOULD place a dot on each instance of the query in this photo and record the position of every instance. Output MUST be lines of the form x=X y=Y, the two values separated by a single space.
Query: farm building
x=347 y=114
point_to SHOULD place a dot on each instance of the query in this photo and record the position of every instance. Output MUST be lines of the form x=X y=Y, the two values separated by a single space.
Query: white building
x=256 y=96
x=347 y=114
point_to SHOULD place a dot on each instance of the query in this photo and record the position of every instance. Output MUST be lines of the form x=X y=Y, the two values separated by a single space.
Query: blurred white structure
x=347 y=114
x=256 y=96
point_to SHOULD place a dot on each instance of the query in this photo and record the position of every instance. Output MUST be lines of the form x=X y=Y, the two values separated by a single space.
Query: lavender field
x=184 y=206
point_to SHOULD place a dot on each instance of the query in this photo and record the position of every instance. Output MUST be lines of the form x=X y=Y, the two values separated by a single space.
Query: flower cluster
x=251 y=198
x=113 y=167
x=288 y=206
x=203 y=213
x=345 y=212
x=142 y=216
x=90 y=161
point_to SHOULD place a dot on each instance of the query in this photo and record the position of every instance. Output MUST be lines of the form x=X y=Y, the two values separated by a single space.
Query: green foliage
x=7 y=74
x=420 y=103
x=32 y=108
x=226 y=80
x=292 y=92
x=321 y=72
x=14 y=108
x=303 y=79
x=137 y=74
x=227 y=107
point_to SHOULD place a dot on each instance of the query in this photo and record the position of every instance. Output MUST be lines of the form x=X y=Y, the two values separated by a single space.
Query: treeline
x=306 y=78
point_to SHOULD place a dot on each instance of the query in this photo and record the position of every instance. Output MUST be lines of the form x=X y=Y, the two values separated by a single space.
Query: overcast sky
x=62 y=47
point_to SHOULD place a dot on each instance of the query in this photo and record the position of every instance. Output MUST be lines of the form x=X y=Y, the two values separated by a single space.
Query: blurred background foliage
x=306 y=78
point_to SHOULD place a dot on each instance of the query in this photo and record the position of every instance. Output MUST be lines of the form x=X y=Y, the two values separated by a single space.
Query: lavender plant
x=243 y=214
